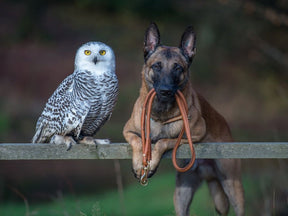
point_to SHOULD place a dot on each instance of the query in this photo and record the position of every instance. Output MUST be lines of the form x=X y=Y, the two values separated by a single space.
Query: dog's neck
x=164 y=111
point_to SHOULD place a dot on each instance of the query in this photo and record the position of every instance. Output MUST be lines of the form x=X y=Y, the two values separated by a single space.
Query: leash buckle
x=144 y=177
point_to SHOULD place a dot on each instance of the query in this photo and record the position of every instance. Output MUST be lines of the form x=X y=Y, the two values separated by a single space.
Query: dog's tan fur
x=207 y=125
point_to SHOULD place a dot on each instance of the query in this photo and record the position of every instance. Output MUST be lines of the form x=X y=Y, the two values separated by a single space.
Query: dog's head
x=166 y=68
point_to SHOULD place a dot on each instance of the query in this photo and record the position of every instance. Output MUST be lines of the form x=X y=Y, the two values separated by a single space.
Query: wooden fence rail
x=245 y=150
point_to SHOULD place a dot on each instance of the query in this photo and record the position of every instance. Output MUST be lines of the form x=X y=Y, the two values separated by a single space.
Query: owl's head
x=96 y=57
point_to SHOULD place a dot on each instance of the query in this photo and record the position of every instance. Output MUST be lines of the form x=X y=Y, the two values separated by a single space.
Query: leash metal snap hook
x=144 y=177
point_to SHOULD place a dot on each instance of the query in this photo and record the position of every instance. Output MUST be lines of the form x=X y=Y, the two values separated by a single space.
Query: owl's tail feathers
x=38 y=137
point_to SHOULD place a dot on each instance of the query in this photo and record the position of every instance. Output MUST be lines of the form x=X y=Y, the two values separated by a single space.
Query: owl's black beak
x=95 y=60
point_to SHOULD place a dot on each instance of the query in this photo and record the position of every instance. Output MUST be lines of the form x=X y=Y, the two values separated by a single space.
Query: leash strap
x=146 y=140
x=181 y=101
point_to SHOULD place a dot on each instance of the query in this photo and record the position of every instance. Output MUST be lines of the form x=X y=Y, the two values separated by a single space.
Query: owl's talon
x=67 y=140
x=102 y=141
x=69 y=146
x=87 y=140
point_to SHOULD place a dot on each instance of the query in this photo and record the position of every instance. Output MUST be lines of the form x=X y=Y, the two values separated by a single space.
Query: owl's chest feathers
x=100 y=91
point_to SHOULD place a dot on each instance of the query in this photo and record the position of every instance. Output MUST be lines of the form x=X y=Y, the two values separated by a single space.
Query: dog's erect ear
x=188 y=42
x=151 y=40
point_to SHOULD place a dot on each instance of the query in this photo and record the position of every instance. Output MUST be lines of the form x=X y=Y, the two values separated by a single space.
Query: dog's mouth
x=165 y=95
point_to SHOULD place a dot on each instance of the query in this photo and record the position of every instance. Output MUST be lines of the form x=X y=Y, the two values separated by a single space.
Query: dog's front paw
x=138 y=165
x=152 y=171
x=137 y=168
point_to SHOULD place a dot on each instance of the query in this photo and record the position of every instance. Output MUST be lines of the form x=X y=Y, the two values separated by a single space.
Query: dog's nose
x=166 y=93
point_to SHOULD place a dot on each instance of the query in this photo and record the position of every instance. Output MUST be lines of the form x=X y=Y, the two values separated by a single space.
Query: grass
x=154 y=199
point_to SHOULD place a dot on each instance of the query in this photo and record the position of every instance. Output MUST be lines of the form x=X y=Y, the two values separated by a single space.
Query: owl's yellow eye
x=102 y=52
x=87 y=52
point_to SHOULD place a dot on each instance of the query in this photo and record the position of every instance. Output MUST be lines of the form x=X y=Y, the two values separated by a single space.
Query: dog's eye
x=177 y=68
x=157 y=66
x=178 y=73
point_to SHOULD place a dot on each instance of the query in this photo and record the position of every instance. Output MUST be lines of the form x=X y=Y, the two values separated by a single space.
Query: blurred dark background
x=241 y=67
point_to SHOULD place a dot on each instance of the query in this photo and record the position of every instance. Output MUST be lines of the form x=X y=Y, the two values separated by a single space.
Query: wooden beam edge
x=244 y=150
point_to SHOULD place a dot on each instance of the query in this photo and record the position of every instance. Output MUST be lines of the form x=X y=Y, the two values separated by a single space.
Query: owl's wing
x=62 y=114
x=75 y=117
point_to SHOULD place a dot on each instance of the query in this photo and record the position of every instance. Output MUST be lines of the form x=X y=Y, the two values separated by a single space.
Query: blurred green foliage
x=155 y=199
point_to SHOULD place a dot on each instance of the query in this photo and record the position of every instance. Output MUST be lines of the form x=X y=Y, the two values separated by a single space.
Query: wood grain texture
x=245 y=150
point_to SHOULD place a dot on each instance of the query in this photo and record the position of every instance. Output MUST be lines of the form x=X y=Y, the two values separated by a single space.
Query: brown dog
x=167 y=69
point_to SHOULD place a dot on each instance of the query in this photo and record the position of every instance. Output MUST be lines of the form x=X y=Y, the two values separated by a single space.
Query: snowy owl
x=84 y=100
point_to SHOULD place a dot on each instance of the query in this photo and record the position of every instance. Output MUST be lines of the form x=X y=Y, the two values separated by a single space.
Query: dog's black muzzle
x=165 y=94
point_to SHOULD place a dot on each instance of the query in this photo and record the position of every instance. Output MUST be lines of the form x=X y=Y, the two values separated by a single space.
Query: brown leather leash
x=146 y=140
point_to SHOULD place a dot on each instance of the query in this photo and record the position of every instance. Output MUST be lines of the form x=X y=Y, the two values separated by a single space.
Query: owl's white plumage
x=84 y=100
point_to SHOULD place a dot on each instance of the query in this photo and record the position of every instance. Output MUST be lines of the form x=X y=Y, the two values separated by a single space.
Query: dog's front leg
x=135 y=141
x=159 y=149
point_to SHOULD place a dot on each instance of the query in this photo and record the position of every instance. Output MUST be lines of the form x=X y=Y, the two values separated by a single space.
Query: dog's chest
x=164 y=131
